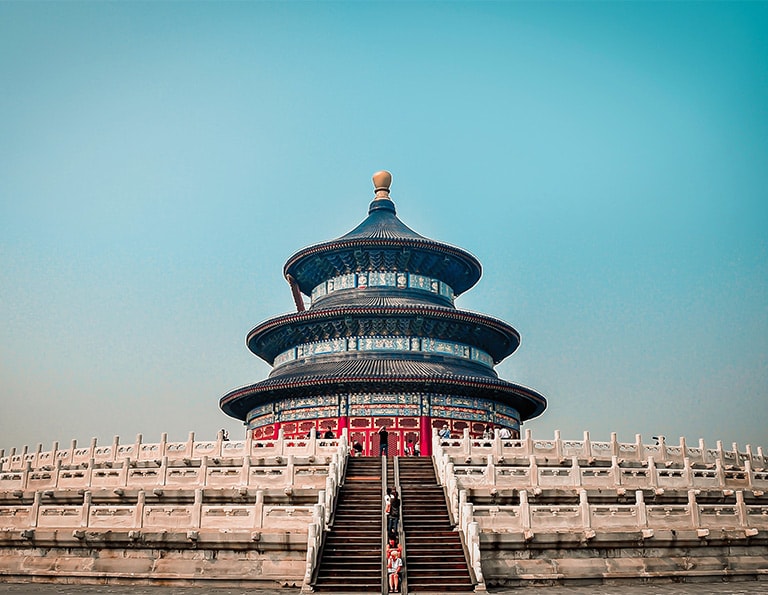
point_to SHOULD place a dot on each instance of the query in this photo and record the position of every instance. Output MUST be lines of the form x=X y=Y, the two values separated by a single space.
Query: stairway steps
x=435 y=559
x=351 y=560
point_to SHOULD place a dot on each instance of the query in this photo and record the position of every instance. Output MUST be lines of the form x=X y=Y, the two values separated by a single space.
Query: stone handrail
x=615 y=474
x=588 y=518
x=557 y=449
x=135 y=511
x=139 y=451
x=278 y=472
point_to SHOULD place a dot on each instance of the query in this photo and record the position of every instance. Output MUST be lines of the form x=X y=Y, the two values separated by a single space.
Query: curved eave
x=239 y=402
x=257 y=339
x=472 y=267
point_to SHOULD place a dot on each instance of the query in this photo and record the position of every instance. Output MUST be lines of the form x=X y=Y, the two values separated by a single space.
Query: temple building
x=381 y=344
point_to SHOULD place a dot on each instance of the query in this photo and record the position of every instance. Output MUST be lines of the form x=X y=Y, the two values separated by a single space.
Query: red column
x=425 y=436
x=344 y=423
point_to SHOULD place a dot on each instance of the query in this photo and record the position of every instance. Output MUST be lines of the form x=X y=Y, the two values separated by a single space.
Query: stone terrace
x=188 y=511
x=550 y=510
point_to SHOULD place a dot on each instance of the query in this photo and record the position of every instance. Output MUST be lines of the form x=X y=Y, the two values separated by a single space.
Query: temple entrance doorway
x=403 y=434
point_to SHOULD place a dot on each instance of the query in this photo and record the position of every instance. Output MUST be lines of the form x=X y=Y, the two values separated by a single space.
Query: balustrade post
x=663 y=448
x=220 y=443
x=25 y=475
x=615 y=470
x=35 y=510
x=89 y=473
x=720 y=472
x=533 y=471
x=330 y=498
x=558 y=445
x=115 y=448
x=490 y=472
x=312 y=539
x=245 y=470
x=467 y=516
x=92 y=448
x=137 y=447
x=640 y=447
x=475 y=558
x=749 y=473
x=54 y=452
x=466 y=443
x=653 y=474
x=719 y=449
x=528 y=442
x=683 y=448
x=587 y=446
x=57 y=472
x=197 y=509
x=586 y=516
x=614 y=445
x=736 y=455
x=525 y=510
x=575 y=472
x=189 y=447
x=694 y=509
x=497 y=446
x=39 y=449
x=138 y=519
x=741 y=509
x=126 y=462
x=248 y=442
x=85 y=511
x=204 y=471
x=72 y=447
x=258 y=510
x=687 y=471
x=704 y=453
x=290 y=470
x=748 y=449
x=163 y=443
x=447 y=466
x=642 y=511
x=281 y=441
x=163 y=473
x=462 y=503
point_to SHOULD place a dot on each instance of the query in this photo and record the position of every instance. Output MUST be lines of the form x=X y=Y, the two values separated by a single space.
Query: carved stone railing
x=587 y=518
x=111 y=490
x=586 y=449
x=138 y=451
x=527 y=466
x=240 y=509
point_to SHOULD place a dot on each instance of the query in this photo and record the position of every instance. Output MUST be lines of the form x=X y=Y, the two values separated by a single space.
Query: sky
x=606 y=162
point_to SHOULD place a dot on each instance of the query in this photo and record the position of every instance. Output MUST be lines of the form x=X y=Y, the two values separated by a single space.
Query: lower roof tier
x=383 y=375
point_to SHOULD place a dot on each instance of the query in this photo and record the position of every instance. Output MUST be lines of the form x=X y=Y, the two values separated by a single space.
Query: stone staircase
x=351 y=559
x=434 y=555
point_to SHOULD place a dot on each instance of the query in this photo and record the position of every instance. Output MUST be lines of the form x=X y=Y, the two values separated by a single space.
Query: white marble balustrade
x=139 y=451
x=586 y=517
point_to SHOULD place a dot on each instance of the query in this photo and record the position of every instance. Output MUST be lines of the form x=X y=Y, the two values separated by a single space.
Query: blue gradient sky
x=606 y=162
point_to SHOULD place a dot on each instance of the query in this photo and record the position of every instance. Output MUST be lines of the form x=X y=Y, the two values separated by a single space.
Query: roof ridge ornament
x=382 y=180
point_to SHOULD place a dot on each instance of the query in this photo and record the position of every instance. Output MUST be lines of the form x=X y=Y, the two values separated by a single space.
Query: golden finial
x=382 y=180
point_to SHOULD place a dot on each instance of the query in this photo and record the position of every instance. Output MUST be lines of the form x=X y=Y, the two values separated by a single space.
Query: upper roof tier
x=383 y=243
